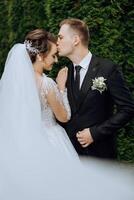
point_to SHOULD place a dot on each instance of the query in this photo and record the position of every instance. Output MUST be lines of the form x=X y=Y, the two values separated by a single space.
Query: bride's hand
x=62 y=78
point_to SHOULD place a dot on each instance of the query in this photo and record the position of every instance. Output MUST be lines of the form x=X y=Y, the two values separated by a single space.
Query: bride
x=34 y=150
x=41 y=47
x=37 y=160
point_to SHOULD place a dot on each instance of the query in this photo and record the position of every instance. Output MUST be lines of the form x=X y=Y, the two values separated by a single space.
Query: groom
x=94 y=86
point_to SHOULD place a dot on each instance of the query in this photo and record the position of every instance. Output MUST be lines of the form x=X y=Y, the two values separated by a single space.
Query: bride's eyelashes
x=54 y=56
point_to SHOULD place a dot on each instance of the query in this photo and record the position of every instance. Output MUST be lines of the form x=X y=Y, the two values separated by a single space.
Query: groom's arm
x=125 y=106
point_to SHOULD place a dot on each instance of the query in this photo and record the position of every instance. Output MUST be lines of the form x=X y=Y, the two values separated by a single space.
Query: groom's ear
x=76 y=39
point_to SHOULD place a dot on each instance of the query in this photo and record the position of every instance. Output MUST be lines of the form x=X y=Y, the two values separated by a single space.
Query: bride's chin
x=50 y=68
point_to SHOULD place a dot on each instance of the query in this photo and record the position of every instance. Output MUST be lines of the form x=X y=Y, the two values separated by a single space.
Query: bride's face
x=51 y=58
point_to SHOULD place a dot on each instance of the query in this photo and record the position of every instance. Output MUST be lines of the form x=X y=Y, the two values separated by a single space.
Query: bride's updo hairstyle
x=39 y=41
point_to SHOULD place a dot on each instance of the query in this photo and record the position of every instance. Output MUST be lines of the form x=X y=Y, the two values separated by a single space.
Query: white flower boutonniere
x=99 y=84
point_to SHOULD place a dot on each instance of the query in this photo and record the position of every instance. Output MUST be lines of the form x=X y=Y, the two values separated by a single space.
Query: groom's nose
x=58 y=40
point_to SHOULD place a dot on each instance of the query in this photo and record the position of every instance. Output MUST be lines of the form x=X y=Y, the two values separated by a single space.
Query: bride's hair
x=39 y=41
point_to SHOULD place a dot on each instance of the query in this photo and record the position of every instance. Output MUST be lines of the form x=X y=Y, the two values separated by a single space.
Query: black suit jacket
x=94 y=110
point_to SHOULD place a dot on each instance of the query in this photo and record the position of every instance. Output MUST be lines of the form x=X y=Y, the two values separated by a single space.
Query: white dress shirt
x=84 y=64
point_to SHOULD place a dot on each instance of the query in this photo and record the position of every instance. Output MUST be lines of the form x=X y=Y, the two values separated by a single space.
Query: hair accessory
x=29 y=47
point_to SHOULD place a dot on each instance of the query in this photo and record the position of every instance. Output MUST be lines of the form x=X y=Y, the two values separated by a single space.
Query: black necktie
x=77 y=78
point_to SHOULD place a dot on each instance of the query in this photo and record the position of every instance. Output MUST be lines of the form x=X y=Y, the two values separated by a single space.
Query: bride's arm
x=59 y=105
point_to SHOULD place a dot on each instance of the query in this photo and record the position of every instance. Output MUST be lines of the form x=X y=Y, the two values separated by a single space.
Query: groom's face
x=65 y=41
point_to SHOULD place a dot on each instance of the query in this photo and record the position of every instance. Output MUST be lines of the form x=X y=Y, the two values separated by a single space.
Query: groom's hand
x=84 y=137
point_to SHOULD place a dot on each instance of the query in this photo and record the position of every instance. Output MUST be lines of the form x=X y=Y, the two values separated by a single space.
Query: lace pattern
x=48 y=84
x=66 y=103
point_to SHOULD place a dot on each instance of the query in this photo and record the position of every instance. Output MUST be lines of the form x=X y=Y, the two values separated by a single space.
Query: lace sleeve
x=66 y=103
x=50 y=85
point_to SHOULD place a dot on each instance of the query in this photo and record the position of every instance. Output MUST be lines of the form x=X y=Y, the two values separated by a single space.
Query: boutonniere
x=99 y=84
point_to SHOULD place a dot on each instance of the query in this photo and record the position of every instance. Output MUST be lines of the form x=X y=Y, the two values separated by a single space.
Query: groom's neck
x=78 y=55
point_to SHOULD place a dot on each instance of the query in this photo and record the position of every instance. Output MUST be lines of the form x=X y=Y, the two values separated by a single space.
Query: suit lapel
x=86 y=85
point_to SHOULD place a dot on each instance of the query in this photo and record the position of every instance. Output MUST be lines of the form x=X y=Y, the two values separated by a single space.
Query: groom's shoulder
x=106 y=64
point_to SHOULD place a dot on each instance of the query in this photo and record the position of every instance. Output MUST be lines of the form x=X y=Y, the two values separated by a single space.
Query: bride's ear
x=39 y=57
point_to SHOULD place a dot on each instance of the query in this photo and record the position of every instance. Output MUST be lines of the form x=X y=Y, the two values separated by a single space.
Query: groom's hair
x=79 y=27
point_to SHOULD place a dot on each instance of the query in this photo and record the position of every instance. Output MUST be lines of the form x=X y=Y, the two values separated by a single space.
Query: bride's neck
x=38 y=69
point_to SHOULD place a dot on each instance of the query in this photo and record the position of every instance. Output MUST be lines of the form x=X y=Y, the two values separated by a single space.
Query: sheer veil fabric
x=29 y=167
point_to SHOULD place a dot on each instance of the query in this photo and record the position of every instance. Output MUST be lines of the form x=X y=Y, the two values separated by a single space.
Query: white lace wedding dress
x=52 y=130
